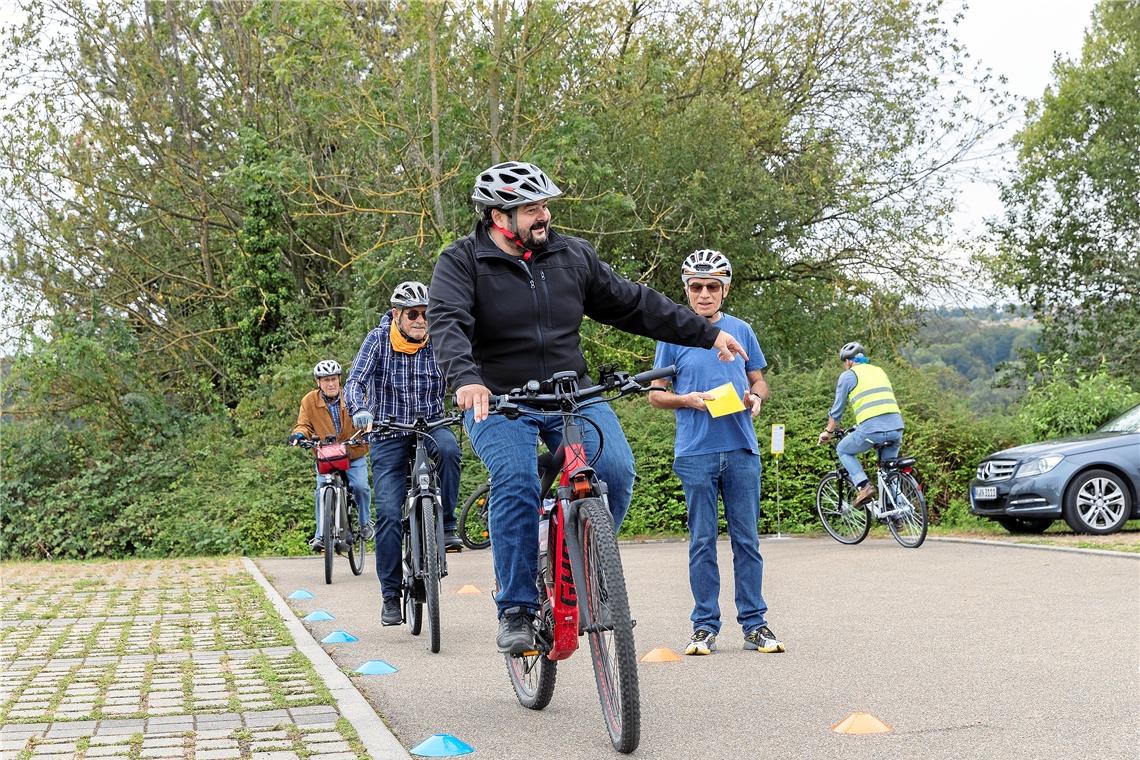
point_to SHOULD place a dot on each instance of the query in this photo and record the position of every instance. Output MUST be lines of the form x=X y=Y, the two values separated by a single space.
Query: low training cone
x=301 y=594
x=469 y=589
x=442 y=745
x=661 y=654
x=339 y=637
x=861 y=723
x=376 y=668
x=319 y=615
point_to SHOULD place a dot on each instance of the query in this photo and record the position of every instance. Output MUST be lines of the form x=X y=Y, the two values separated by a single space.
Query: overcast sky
x=1018 y=39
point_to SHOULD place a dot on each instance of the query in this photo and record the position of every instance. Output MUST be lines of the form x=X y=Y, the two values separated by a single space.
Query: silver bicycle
x=899 y=504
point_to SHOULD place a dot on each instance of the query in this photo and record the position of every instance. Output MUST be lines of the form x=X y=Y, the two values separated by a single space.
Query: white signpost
x=777 y=451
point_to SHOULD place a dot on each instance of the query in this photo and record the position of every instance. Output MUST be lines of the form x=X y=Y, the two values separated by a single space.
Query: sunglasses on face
x=415 y=314
x=711 y=287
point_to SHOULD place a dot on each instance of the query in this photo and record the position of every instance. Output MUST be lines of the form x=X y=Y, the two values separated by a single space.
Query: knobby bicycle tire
x=909 y=529
x=533 y=675
x=474 y=530
x=834 y=499
x=355 y=536
x=612 y=649
x=431 y=569
x=328 y=533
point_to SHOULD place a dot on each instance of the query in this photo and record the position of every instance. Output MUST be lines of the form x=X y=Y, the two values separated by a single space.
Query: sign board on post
x=777 y=440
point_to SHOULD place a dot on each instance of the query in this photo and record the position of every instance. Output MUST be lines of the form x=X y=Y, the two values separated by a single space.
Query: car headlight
x=1038 y=466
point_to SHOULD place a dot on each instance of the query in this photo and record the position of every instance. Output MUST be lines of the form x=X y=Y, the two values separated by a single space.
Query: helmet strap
x=512 y=236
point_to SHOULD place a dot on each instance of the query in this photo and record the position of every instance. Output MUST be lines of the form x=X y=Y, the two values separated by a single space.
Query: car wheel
x=1097 y=502
x=1023 y=524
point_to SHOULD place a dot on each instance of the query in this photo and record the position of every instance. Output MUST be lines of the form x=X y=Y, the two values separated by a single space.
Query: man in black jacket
x=506 y=304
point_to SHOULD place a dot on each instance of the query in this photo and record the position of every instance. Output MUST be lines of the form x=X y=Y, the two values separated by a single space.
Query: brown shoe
x=866 y=493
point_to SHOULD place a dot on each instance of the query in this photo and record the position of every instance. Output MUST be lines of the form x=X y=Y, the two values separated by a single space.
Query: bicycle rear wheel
x=834 y=502
x=431 y=569
x=909 y=528
x=533 y=675
x=328 y=530
x=474 y=531
x=612 y=649
x=413 y=607
x=355 y=537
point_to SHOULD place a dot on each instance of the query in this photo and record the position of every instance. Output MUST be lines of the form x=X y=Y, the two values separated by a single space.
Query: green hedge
x=225 y=484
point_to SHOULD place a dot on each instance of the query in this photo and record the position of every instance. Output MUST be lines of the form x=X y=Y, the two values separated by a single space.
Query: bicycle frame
x=887 y=488
x=423 y=484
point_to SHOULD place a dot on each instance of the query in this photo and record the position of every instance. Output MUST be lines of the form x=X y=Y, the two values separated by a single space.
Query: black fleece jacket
x=500 y=321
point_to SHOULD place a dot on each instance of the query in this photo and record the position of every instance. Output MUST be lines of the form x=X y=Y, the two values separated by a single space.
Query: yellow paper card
x=724 y=401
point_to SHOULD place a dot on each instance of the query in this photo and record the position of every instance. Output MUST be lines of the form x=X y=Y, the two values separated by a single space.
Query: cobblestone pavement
x=162 y=659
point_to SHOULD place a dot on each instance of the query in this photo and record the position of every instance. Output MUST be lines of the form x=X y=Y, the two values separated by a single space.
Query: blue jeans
x=734 y=476
x=856 y=443
x=508 y=449
x=391 y=460
x=358 y=482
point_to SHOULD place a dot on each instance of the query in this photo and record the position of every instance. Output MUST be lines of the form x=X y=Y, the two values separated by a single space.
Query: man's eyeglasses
x=711 y=287
x=414 y=314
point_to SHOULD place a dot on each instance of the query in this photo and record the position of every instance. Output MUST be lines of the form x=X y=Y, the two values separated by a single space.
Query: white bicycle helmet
x=512 y=184
x=851 y=351
x=327 y=368
x=706 y=263
x=409 y=294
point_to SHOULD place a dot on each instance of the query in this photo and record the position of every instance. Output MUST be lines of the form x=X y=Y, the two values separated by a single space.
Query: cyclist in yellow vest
x=867 y=390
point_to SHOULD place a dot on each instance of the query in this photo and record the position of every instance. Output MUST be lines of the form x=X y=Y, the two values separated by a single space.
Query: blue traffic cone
x=301 y=594
x=376 y=668
x=442 y=745
x=339 y=637
x=319 y=615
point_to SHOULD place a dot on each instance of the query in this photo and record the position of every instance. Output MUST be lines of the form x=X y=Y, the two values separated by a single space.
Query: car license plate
x=985 y=492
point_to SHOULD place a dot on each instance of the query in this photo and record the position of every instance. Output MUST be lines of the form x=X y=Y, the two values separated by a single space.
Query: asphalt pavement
x=964 y=650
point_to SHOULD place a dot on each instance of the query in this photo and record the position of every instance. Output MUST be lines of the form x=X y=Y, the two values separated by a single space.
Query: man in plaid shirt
x=395 y=376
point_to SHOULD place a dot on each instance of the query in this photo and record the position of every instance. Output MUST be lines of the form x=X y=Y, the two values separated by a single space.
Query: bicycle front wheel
x=474 y=530
x=909 y=527
x=610 y=630
x=355 y=536
x=431 y=569
x=328 y=528
x=533 y=675
x=835 y=504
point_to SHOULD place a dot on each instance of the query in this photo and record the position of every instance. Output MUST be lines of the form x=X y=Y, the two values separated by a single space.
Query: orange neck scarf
x=400 y=343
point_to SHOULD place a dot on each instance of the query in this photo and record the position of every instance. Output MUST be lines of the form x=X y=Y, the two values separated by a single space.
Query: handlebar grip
x=655 y=374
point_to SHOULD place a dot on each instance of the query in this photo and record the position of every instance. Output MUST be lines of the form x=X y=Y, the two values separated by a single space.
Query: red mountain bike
x=580 y=579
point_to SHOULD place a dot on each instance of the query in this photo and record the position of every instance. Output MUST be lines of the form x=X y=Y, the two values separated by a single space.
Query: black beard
x=533 y=244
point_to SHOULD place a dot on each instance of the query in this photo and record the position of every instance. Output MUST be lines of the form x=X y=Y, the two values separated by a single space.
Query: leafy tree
x=1068 y=240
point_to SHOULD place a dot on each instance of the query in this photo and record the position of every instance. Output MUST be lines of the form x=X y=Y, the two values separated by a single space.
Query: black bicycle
x=340 y=516
x=473 y=526
x=425 y=553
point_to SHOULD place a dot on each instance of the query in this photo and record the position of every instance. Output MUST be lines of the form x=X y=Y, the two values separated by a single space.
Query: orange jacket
x=314 y=420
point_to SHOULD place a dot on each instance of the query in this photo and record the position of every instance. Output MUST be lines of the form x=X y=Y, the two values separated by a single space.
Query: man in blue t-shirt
x=718 y=456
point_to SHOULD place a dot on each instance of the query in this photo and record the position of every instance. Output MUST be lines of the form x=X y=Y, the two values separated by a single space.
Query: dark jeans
x=391 y=458
x=508 y=449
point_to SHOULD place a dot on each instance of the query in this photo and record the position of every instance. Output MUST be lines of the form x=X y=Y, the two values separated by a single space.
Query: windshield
x=1129 y=422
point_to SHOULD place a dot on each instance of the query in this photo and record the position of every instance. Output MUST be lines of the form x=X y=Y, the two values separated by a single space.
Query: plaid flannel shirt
x=390 y=384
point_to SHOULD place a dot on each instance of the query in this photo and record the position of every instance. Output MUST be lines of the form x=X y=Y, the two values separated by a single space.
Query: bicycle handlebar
x=421 y=425
x=309 y=443
x=568 y=396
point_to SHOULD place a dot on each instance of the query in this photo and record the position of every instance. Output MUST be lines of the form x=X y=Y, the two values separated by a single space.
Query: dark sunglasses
x=697 y=287
x=414 y=314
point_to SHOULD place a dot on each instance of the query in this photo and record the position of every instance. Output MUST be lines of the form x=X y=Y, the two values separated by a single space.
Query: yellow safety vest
x=872 y=394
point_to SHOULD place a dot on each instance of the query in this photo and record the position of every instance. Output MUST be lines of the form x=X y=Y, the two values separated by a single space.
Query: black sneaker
x=317 y=544
x=391 y=614
x=368 y=532
x=452 y=542
x=516 y=631
x=701 y=642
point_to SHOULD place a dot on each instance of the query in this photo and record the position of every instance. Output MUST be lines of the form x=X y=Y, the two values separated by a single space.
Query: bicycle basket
x=331 y=456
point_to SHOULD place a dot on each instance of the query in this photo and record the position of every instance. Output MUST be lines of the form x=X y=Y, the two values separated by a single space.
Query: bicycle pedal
x=454 y=549
x=528 y=653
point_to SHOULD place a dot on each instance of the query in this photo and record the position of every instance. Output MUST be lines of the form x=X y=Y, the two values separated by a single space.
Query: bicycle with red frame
x=580 y=579
x=340 y=514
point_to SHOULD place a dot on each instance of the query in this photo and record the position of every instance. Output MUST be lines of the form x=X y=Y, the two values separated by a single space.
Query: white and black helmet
x=512 y=184
x=327 y=368
x=706 y=263
x=409 y=294
x=852 y=350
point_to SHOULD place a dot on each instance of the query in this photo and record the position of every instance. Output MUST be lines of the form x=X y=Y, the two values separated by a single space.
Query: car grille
x=996 y=469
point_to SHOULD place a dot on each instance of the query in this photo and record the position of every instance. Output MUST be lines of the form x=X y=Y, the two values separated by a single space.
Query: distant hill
x=968 y=347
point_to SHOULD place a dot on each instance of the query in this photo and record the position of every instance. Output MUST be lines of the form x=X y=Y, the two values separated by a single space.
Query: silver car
x=1092 y=481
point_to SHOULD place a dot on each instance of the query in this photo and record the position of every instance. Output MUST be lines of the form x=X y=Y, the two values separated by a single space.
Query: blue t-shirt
x=699 y=369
